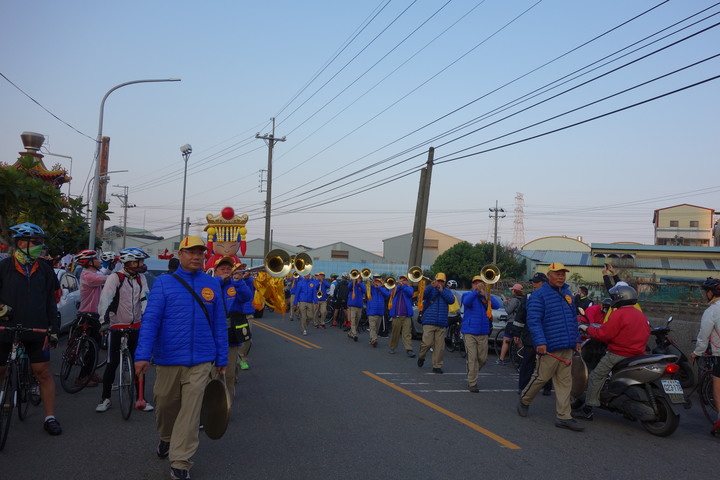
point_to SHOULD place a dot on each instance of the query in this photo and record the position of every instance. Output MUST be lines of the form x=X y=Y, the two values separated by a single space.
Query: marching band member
x=377 y=299
x=355 y=305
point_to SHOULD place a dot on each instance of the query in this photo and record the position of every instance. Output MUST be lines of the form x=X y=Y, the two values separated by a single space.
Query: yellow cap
x=557 y=267
x=225 y=259
x=191 y=241
x=476 y=278
x=440 y=276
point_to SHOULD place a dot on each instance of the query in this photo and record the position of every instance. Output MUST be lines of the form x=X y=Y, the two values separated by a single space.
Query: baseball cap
x=557 y=267
x=477 y=278
x=191 y=241
x=539 y=277
x=517 y=286
x=403 y=276
x=321 y=273
x=441 y=276
x=225 y=259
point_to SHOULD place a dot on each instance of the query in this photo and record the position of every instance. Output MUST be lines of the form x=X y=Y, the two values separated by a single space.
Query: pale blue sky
x=387 y=94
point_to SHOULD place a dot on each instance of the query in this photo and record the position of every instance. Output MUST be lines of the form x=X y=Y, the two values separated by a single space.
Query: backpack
x=342 y=291
x=112 y=308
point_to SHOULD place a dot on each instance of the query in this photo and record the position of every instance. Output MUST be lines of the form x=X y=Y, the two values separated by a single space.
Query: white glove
x=583 y=327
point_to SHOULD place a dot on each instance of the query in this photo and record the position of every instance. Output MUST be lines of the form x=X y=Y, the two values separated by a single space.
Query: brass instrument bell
x=490 y=274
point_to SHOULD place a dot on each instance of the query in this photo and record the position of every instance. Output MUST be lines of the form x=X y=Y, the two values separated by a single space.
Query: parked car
x=69 y=300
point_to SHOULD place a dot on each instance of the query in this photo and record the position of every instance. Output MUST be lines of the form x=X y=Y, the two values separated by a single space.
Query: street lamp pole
x=96 y=182
x=186 y=151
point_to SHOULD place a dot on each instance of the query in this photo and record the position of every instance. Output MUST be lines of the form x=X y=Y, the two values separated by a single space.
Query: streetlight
x=96 y=183
x=186 y=151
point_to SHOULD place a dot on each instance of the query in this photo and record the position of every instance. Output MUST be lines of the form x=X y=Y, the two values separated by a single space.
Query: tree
x=463 y=261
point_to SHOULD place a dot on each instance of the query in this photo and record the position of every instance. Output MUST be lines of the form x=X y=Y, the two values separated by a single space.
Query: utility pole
x=270 y=140
x=124 y=199
x=494 y=212
x=418 y=236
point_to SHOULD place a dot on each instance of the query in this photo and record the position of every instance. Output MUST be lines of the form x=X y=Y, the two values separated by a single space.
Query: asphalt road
x=323 y=406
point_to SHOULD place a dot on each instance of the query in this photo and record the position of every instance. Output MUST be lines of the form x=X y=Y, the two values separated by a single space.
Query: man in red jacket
x=626 y=333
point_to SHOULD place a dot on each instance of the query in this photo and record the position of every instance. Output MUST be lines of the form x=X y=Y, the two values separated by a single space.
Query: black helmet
x=623 y=295
x=712 y=284
x=607 y=301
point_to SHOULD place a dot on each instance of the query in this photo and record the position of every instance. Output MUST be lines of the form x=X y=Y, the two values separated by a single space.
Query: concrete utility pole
x=494 y=213
x=421 y=209
x=270 y=140
x=124 y=199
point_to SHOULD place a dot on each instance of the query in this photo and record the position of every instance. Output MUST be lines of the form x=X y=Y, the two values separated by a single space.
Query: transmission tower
x=519 y=227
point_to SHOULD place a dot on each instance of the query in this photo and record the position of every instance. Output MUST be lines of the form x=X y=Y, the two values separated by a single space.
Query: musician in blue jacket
x=184 y=332
x=475 y=329
x=436 y=300
x=355 y=305
x=377 y=300
x=401 y=313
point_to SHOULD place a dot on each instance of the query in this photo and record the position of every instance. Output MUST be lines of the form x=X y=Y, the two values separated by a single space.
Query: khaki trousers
x=476 y=347
x=401 y=328
x=306 y=313
x=320 y=313
x=355 y=314
x=549 y=368
x=374 y=321
x=433 y=336
x=178 y=398
x=244 y=349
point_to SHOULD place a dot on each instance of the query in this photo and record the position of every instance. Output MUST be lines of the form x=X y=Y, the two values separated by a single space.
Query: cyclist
x=122 y=302
x=91 y=285
x=710 y=333
x=28 y=286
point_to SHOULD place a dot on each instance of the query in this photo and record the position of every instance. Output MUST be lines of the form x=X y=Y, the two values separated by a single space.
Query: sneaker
x=584 y=413
x=420 y=362
x=391 y=351
x=474 y=388
x=333 y=324
x=103 y=406
x=305 y=333
x=437 y=370
x=410 y=354
x=148 y=408
x=374 y=343
x=522 y=409
x=323 y=326
x=244 y=365
x=163 y=449
x=499 y=362
x=178 y=474
x=546 y=393
x=569 y=424
x=52 y=426
x=316 y=326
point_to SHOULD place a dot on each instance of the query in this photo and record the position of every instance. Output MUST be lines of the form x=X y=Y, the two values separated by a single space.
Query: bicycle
x=20 y=388
x=704 y=387
x=126 y=382
x=453 y=337
x=79 y=360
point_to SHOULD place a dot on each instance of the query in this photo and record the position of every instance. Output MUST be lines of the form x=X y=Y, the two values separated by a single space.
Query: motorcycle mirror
x=669 y=320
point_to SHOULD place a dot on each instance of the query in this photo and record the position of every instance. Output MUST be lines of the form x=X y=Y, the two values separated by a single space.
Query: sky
x=577 y=118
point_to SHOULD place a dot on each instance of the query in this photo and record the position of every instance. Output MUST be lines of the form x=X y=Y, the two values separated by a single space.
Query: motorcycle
x=665 y=345
x=640 y=388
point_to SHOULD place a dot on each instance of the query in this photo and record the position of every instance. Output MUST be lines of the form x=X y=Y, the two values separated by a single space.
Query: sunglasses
x=33 y=241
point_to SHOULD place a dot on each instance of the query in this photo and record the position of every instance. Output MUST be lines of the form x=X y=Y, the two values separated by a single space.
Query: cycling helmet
x=84 y=257
x=139 y=252
x=607 y=301
x=623 y=295
x=130 y=255
x=27 y=230
x=713 y=285
x=108 y=256
x=451 y=284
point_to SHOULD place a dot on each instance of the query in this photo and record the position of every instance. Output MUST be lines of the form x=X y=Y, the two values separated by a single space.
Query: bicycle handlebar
x=20 y=328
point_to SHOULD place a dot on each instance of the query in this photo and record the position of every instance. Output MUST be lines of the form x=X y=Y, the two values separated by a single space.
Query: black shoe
x=178 y=474
x=53 y=427
x=437 y=370
x=522 y=409
x=163 y=449
x=569 y=424
x=585 y=413
x=411 y=354
x=474 y=389
x=546 y=393
x=355 y=338
x=421 y=362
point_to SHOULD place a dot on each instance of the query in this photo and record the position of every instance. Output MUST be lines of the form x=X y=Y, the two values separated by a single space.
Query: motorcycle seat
x=645 y=359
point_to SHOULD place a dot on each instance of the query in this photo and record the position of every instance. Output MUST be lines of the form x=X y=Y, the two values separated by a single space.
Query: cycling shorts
x=34 y=350
x=716 y=367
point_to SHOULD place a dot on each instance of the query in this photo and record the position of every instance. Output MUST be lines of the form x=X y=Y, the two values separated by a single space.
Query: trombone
x=415 y=274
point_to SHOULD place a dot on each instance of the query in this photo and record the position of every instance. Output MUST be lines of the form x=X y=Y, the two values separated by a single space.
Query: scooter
x=665 y=345
x=641 y=388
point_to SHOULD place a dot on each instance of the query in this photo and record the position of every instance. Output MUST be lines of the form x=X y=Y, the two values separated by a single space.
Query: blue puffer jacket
x=437 y=314
x=359 y=289
x=551 y=318
x=475 y=320
x=235 y=293
x=246 y=306
x=378 y=300
x=174 y=329
x=404 y=293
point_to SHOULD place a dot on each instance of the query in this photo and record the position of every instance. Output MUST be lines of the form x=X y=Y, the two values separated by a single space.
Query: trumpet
x=389 y=283
x=319 y=294
x=490 y=274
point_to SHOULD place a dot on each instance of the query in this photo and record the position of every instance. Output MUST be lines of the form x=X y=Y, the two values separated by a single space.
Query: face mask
x=29 y=255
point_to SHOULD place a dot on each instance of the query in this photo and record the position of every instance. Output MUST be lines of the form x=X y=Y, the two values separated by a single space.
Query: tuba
x=490 y=274
x=277 y=263
x=365 y=274
x=302 y=264
x=355 y=274
x=389 y=283
x=415 y=274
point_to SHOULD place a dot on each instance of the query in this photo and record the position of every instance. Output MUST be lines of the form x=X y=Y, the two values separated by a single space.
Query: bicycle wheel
x=34 y=391
x=126 y=388
x=102 y=358
x=499 y=342
x=515 y=353
x=7 y=402
x=23 y=389
x=707 y=399
x=78 y=364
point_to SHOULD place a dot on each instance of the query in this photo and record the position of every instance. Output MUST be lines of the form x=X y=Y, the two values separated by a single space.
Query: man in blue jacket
x=377 y=299
x=552 y=320
x=355 y=304
x=184 y=336
x=401 y=312
x=475 y=329
x=436 y=300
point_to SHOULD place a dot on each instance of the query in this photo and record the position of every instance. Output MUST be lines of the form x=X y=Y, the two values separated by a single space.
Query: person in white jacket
x=710 y=334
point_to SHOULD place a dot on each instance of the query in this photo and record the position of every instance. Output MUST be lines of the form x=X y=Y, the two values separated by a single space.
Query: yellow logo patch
x=207 y=293
x=231 y=292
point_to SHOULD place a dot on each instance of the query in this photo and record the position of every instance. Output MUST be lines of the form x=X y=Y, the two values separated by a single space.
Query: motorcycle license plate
x=672 y=387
